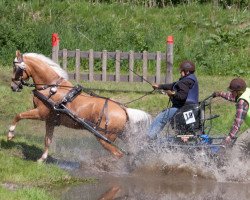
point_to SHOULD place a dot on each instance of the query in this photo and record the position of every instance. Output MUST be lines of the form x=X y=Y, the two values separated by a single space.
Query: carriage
x=190 y=130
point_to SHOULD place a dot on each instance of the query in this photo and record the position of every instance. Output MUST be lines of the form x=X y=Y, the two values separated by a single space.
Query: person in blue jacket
x=183 y=92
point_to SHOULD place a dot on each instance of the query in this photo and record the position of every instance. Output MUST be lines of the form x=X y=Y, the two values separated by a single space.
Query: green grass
x=28 y=173
x=155 y=102
x=31 y=180
x=14 y=103
x=25 y=194
x=216 y=39
x=21 y=177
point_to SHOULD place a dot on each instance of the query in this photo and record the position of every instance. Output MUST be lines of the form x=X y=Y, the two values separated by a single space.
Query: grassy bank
x=22 y=178
x=216 y=39
x=153 y=103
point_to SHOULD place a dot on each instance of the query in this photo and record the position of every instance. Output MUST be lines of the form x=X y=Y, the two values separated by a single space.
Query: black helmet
x=237 y=84
x=187 y=66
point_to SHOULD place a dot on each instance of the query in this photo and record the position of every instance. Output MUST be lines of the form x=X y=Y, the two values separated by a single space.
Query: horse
x=52 y=82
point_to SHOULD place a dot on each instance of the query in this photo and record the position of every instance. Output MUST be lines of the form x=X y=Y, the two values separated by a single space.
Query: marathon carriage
x=189 y=130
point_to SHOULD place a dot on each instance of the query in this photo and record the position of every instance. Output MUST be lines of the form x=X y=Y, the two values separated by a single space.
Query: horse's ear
x=18 y=54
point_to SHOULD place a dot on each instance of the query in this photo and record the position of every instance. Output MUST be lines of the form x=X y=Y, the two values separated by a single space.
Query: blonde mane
x=51 y=64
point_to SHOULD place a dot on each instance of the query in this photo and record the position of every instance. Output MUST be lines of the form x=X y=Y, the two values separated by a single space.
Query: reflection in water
x=156 y=181
x=158 y=187
x=111 y=193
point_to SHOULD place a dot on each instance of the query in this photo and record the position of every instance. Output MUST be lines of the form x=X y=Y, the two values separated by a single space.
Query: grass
x=25 y=194
x=216 y=39
x=153 y=103
x=28 y=180
x=20 y=176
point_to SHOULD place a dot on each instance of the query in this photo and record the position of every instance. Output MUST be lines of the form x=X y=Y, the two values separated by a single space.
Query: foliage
x=216 y=39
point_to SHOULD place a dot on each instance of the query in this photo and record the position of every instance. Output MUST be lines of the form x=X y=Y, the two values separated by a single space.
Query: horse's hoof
x=9 y=138
x=118 y=154
x=41 y=160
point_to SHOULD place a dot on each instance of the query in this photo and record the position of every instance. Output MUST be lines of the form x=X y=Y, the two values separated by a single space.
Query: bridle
x=19 y=68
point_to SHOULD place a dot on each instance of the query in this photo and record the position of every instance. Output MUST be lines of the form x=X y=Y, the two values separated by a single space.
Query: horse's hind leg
x=31 y=114
x=114 y=150
x=47 y=140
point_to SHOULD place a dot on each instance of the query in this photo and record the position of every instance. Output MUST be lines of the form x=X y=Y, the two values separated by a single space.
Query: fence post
x=91 y=65
x=117 y=65
x=104 y=65
x=158 y=67
x=169 y=59
x=78 y=64
x=144 y=66
x=55 y=47
x=131 y=66
x=65 y=61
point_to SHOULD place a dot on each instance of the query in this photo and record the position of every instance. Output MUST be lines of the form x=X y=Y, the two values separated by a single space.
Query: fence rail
x=117 y=56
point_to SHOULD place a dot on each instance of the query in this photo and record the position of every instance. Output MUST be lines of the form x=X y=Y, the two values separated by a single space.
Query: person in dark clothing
x=182 y=92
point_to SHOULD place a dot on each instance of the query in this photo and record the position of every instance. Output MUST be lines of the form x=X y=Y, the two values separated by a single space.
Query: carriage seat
x=187 y=120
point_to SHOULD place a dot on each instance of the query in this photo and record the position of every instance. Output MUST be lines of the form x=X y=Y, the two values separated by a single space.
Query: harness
x=59 y=107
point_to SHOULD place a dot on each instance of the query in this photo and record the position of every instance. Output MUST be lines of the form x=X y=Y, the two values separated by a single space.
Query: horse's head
x=19 y=74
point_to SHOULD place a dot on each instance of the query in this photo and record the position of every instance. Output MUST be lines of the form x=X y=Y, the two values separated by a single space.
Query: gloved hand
x=170 y=93
x=155 y=86
x=228 y=142
x=215 y=94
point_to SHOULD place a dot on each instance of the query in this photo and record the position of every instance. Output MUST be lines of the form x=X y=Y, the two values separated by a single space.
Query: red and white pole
x=169 y=59
x=55 y=46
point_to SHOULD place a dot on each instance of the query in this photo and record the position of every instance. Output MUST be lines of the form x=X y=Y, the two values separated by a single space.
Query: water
x=148 y=173
x=146 y=186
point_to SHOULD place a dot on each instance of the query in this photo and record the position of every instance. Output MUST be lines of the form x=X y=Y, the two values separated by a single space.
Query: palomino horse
x=51 y=81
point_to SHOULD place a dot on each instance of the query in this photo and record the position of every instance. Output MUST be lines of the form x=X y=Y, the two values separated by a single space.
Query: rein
x=87 y=90
x=45 y=86
x=21 y=68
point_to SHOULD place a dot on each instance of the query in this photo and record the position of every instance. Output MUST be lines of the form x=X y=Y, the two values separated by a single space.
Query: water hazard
x=147 y=174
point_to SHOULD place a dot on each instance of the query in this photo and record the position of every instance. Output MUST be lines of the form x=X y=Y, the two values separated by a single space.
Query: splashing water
x=150 y=157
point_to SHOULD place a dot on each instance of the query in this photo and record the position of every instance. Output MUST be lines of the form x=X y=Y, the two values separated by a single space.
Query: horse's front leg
x=47 y=140
x=31 y=114
x=114 y=150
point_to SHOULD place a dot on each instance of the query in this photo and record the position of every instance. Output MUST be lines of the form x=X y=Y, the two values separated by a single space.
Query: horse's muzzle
x=16 y=86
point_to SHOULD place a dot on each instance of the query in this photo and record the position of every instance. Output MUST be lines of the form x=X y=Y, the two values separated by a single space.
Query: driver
x=182 y=92
x=239 y=93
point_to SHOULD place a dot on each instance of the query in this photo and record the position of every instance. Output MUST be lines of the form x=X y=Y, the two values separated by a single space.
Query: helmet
x=187 y=66
x=237 y=84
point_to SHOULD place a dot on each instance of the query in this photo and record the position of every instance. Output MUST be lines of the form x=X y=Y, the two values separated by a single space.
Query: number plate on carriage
x=189 y=117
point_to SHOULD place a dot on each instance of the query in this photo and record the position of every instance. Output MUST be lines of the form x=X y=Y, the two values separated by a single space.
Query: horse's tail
x=138 y=117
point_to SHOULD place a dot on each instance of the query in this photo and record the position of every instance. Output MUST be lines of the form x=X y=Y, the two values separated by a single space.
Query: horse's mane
x=51 y=64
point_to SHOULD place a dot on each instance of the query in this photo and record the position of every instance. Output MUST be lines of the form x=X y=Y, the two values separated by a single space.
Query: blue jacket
x=187 y=91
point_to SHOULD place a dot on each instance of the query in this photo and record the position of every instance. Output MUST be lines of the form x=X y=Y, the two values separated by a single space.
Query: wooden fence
x=117 y=56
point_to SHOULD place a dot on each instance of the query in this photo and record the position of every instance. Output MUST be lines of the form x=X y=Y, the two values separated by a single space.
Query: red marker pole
x=55 y=46
x=169 y=59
